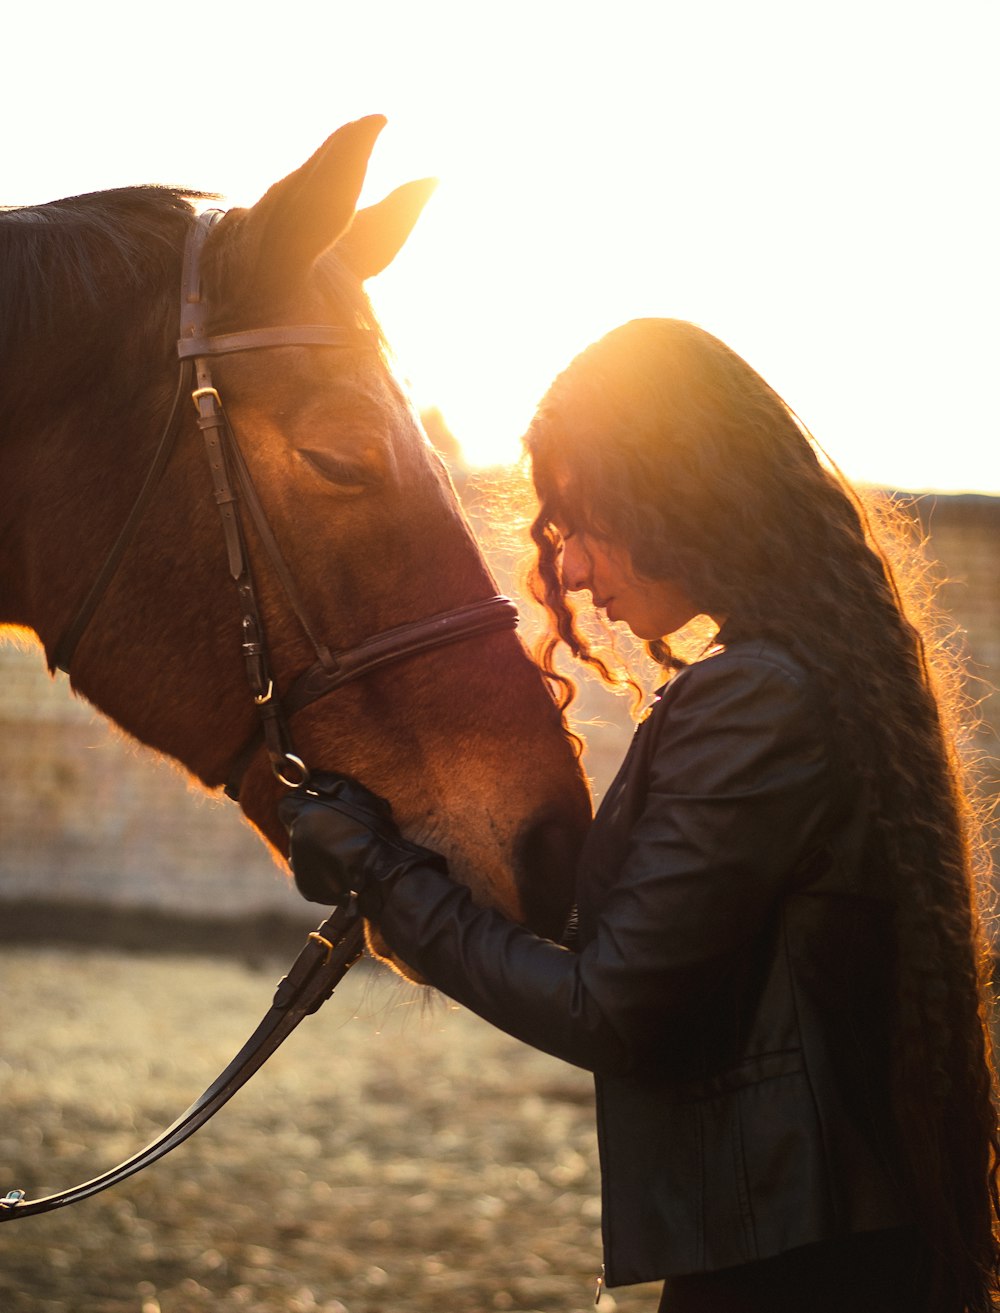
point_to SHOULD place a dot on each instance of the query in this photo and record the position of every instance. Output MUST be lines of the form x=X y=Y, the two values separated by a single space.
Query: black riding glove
x=343 y=840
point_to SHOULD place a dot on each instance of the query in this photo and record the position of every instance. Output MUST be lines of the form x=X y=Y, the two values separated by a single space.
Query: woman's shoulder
x=743 y=723
x=744 y=697
x=743 y=665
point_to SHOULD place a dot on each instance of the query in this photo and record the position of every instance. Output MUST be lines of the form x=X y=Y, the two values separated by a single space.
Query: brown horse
x=465 y=740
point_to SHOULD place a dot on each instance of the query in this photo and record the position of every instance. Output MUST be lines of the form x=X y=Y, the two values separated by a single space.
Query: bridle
x=232 y=486
x=336 y=944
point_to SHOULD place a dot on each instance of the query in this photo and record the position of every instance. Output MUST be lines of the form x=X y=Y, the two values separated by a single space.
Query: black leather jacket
x=728 y=986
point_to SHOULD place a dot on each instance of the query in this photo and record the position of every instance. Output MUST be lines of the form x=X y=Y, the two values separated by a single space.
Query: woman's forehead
x=561 y=478
x=564 y=496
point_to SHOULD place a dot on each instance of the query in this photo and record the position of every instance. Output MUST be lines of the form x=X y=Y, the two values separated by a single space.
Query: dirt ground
x=396 y=1156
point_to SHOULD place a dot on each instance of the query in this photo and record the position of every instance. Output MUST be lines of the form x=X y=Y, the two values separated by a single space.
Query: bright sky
x=814 y=184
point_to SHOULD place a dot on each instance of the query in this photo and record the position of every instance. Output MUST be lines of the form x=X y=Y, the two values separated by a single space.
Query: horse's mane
x=72 y=270
x=69 y=265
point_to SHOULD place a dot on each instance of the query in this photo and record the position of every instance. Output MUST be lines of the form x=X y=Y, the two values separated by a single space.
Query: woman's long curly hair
x=661 y=439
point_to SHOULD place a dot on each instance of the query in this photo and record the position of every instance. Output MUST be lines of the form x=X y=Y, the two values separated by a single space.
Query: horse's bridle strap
x=482 y=617
x=252 y=339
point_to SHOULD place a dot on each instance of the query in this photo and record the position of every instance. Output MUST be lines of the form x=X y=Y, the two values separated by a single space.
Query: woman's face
x=652 y=608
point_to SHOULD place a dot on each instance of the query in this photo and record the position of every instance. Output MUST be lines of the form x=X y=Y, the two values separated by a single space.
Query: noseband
x=233 y=486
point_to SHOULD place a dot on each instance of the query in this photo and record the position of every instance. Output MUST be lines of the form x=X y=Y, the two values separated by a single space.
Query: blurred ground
x=397 y=1154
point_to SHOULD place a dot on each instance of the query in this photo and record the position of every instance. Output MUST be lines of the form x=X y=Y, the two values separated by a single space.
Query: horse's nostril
x=545 y=863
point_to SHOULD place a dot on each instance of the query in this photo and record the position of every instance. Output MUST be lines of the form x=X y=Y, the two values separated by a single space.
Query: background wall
x=97 y=834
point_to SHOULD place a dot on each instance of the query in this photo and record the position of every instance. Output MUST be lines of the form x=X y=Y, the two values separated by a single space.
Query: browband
x=252 y=339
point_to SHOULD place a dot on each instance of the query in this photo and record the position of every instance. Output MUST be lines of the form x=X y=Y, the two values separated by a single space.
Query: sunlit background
x=813 y=183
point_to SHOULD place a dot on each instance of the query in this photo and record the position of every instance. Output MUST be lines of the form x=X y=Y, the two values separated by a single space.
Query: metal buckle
x=198 y=393
x=279 y=769
x=320 y=939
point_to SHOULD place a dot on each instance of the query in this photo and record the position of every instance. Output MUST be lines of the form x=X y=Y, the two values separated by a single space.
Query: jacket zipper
x=599 y=1290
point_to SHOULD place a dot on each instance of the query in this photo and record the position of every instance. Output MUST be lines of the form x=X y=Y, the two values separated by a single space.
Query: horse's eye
x=345 y=473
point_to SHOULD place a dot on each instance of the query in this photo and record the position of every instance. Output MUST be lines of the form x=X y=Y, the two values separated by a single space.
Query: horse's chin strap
x=325 y=959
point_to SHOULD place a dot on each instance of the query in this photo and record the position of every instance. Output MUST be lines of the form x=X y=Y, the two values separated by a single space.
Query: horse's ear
x=377 y=233
x=299 y=217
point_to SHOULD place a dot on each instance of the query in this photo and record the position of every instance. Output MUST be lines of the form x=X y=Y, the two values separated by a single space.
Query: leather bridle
x=233 y=486
x=336 y=944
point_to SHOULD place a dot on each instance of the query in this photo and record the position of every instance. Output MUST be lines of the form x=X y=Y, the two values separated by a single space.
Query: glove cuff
x=373 y=896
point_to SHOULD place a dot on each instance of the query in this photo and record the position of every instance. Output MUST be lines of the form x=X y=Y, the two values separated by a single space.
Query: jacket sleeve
x=737 y=795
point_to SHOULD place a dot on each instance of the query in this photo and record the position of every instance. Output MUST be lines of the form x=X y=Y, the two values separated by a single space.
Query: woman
x=777 y=970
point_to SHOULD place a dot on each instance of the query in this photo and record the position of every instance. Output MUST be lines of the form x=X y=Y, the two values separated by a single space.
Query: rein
x=337 y=944
x=329 y=952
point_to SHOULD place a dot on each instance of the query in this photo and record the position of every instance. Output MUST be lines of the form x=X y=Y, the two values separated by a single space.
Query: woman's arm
x=737 y=796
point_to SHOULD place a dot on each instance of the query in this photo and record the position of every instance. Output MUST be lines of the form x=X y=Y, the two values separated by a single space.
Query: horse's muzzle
x=545 y=860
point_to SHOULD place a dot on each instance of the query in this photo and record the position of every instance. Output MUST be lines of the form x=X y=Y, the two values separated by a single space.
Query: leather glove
x=343 y=840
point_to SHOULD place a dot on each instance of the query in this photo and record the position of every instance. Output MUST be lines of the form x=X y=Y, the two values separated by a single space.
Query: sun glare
x=820 y=244
x=600 y=163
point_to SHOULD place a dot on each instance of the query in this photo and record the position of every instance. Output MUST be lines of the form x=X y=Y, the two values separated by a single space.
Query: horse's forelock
x=247 y=294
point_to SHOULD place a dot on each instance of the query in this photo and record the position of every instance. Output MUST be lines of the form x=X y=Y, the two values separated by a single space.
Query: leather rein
x=337 y=943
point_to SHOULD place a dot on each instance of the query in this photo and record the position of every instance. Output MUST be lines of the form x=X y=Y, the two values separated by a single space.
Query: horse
x=356 y=542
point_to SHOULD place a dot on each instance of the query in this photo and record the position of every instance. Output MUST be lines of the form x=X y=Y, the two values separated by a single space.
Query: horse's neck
x=86 y=291
x=69 y=457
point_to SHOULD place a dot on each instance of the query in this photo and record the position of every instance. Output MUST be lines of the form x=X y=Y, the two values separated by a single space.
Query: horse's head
x=465 y=740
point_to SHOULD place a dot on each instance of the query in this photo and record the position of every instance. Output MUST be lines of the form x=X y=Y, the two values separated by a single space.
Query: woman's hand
x=343 y=840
